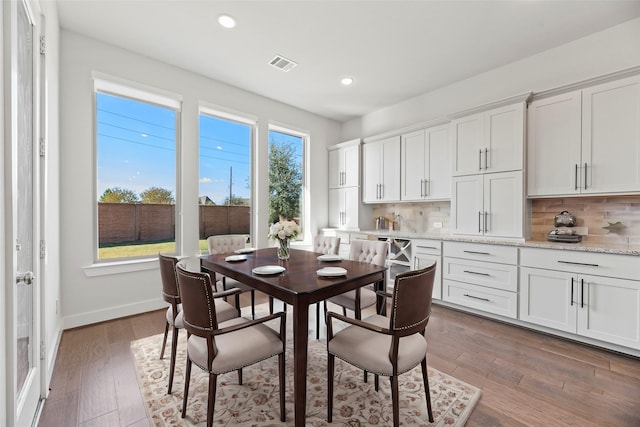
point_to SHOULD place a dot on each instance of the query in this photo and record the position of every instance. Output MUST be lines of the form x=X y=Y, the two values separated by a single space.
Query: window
x=286 y=176
x=136 y=137
x=225 y=176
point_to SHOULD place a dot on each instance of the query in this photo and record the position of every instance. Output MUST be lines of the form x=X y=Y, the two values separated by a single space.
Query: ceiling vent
x=282 y=63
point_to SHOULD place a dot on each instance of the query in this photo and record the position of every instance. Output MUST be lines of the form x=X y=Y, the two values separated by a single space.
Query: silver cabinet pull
x=475 y=297
x=480 y=159
x=585 y=176
x=477 y=253
x=485 y=222
x=479 y=222
x=486 y=158
x=581 y=293
x=476 y=272
x=578 y=263
x=572 y=291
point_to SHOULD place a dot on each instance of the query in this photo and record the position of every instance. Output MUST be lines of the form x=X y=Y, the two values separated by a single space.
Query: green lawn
x=138 y=250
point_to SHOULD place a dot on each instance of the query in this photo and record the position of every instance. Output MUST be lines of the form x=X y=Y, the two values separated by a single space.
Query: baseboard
x=110 y=313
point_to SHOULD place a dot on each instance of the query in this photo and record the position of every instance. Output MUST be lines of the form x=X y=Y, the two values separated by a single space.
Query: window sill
x=117 y=267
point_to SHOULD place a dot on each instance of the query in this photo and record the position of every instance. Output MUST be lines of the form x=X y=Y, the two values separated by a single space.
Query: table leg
x=381 y=302
x=300 y=320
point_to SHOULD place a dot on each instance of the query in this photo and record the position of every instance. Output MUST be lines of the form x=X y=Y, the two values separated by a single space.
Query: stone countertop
x=582 y=246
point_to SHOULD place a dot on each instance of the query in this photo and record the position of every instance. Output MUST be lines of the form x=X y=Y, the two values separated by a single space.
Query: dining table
x=298 y=282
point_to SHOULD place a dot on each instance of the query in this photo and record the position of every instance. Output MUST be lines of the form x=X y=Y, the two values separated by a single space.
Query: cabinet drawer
x=495 y=301
x=482 y=252
x=498 y=276
x=610 y=265
x=425 y=246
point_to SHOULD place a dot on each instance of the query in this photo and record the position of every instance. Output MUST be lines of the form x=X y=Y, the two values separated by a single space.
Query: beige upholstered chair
x=227 y=244
x=373 y=252
x=325 y=245
x=387 y=346
x=221 y=347
x=171 y=294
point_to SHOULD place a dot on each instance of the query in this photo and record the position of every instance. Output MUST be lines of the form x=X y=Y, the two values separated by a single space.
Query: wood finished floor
x=526 y=378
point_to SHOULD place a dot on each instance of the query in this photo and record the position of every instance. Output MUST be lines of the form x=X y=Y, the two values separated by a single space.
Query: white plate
x=232 y=258
x=332 y=271
x=329 y=257
x=244 y=250
x=269 y=269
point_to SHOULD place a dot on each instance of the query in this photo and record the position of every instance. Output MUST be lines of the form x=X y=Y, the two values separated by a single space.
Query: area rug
x=256 y=402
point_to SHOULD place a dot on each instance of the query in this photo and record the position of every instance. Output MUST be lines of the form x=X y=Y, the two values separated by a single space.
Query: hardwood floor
x=527 y=378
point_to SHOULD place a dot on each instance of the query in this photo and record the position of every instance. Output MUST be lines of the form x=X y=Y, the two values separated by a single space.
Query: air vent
x=282 y=63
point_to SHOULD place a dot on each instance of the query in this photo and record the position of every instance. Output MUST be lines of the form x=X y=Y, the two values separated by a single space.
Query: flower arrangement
x=283 y=232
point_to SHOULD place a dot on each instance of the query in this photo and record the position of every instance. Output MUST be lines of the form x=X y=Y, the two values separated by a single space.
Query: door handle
x=26 y=278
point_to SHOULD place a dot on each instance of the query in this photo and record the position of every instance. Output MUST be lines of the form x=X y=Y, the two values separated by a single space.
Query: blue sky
x=136 y=149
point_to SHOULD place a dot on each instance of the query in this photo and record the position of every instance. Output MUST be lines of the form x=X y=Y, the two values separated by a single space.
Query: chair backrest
x=411 y=302
x=170 y=291
x=326 y=244
x=226 y=243
x=371 y=251
x=198 y=306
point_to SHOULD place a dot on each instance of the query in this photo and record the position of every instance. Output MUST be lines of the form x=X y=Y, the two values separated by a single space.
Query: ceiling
x=394 y=49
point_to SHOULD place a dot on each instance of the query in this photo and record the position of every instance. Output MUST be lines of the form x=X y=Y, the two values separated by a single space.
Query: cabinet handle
x=422 y=188
x=426 y=187
x=474 y=297
x=477 y=253
x=485 y=222
x=486 y=158
x=578 y=263
x=480 y=159
x=426 y=247
x=572 y=291
x=575 y=178
x=479 y=222
x=585 y=176
x=581 y=293
x=382 y=191
x=476 y=272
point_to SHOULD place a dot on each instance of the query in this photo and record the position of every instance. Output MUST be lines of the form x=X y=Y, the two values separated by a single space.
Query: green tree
x=285 y=182
x=235 y=201
x=119 y=195
x=157 y=195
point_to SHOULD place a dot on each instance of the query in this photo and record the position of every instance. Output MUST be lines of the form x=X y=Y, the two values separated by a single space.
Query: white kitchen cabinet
x=344 y=207
x=426 y=164
x=564 y=291
x=381 y=174
x=425 y=253
x=344 y=165
x=490 y=141
x=586 y=141
x=488 y=205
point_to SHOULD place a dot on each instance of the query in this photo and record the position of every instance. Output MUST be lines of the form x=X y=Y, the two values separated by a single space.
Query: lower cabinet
x=574 y=299
x=425 y=253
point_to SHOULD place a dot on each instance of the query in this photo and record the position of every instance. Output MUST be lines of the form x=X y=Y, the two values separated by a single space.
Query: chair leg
x=172 y=365
x=187 y=377
x=164 y=341
x=376 y=382
x=240 y=376
x=330 y=369
x=211 y=404
x=394 y=400
x=270 y=305
x=427 y=393
x=366 y=376
x=318 y=320
x=281 y=372
x=253 y=304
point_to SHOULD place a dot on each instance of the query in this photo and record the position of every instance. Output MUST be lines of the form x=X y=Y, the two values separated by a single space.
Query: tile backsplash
x=420 y=218
x=608 y=220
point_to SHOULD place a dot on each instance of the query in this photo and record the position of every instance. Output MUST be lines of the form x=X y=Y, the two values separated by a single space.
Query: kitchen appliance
x=563 y=231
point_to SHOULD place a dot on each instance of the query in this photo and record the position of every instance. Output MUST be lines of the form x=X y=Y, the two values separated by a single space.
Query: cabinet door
x=351 y=168
x=609 y=310
x=554 y=126
x=336 y=207
x=425 y=260
x=412 y=181
x=503 y=204
x=549 y=298
x=504 y=139
x=351 y=202
x=466 y=205
x=467 y=135
x=372 y=171
x=335 y=168
x=391 y=169
x=438 y=163
x=611 y=137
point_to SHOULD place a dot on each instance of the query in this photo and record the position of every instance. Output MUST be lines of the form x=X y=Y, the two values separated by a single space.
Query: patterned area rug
x=256 y=402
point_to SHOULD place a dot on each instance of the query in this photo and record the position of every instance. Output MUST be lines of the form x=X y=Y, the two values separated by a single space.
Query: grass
x=141 y=249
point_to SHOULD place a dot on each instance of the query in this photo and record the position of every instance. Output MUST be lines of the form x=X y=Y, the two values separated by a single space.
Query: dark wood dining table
x=300 y=286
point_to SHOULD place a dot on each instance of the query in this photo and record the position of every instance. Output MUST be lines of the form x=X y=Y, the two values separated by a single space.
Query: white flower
x=284 y=230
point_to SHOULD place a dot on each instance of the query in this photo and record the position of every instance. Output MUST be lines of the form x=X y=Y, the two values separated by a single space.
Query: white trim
x=130 y=89
x=97 y=316
x=221 y=112
x=123 y=266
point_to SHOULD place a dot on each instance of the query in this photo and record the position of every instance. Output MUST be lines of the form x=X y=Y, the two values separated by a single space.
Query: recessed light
x=347 y=81
x=227 y=21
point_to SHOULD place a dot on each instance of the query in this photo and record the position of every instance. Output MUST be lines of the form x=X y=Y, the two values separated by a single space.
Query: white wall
x=601 y=53
x=89 y=299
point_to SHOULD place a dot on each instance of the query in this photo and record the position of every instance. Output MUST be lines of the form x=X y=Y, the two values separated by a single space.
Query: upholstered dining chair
x=221 y=347
x=174 y=316
x=387 y=346
x=373 y=252
x=228 y=244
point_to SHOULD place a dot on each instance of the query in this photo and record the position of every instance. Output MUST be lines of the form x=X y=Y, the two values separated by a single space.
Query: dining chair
x=228 y=244
x=387 y=346
x=373 y=252
x=174 y=315
x=219 y=347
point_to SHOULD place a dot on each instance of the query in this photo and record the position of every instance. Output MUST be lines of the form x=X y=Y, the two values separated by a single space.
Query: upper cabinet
x=344 y=165
x=586 y=141
x=489 y=141
x=381 y=175
x=426 y=164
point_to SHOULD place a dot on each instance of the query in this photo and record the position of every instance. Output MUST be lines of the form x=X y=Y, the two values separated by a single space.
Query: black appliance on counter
x=563 y=231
